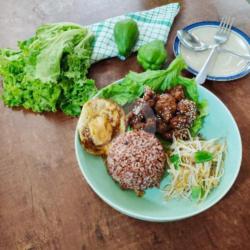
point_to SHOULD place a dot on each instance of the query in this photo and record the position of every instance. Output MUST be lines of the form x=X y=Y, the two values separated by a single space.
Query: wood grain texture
x=45 y=202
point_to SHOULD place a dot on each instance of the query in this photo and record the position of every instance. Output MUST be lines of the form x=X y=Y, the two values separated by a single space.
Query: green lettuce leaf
x=151 y=78
x=190 y=88
x=49 y=70
x=172 y=73
x=160 y=80
x=74 y=94
x=198 y=122
x=123 y=92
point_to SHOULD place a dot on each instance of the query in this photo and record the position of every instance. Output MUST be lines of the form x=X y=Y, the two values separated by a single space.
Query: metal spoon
x=191 y=41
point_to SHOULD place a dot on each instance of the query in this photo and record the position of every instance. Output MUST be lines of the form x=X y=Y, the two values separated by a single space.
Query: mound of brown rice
x=136 y=160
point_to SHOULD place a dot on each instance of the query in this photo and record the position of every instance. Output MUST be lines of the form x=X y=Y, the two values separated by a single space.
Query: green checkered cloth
x=153 y=24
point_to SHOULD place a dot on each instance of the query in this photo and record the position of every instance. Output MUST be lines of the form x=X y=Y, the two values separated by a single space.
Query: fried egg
x=100 y=121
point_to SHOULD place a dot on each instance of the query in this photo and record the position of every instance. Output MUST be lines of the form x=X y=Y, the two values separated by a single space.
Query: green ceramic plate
x=152 y=206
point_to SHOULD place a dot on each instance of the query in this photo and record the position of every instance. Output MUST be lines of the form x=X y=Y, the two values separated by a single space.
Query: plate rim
x=239 y=75
x=135 y=215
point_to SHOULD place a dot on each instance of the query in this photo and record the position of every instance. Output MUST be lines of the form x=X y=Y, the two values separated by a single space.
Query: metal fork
x=220 y=37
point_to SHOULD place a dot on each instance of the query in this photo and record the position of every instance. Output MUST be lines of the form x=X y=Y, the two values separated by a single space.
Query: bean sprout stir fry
x=195 y=167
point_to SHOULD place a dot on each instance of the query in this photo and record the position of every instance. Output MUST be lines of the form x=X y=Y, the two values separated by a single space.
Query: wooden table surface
x=44 y=201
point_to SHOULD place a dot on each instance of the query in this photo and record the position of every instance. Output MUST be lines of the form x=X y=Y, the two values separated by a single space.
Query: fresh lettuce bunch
x=132 y=87
x=48 y=71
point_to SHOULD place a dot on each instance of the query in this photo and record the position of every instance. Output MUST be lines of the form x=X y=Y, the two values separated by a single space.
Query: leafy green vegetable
x=175 y=159
x=202 y=156
x=75 y=94
x=160 y=80
x=49 y=70
x=190 y=88
x=172 y=73
x=123 y=92
x=197 y=192
x=151 y=78
x=198 y=122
